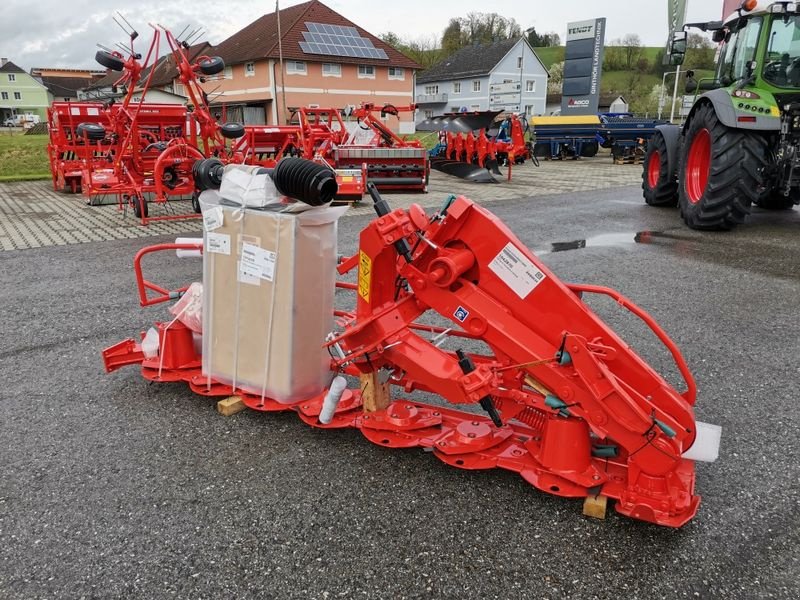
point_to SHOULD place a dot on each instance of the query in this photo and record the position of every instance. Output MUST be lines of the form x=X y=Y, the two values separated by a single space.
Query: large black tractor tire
x=659 y=186
x=721 y=172
x=777 y=201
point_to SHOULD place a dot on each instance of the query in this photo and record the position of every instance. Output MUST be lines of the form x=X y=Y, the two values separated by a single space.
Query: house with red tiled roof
x=328 y=61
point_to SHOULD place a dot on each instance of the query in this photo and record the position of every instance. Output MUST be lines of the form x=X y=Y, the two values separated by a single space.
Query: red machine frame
x=146 y=149
x=571 y=407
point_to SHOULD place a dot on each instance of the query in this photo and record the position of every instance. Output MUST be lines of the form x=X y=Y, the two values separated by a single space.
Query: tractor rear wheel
x=659 y=186
x=721 y=172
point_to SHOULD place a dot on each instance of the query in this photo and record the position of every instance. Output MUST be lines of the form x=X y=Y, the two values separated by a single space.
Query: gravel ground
x=110 y=487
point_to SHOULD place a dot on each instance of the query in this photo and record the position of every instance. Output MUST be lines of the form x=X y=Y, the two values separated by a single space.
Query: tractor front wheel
x=659 y=186
x=721 y=172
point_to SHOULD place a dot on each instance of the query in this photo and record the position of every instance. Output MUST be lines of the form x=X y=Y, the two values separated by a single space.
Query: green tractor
x=740 y=144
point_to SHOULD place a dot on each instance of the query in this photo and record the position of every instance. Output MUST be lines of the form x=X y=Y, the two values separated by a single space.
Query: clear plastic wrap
x=268 y=286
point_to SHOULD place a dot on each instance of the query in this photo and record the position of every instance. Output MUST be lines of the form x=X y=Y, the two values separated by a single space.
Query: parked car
x=22 y=120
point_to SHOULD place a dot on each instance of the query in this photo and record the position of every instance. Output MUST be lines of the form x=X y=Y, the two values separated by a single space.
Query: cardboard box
x=269 y=281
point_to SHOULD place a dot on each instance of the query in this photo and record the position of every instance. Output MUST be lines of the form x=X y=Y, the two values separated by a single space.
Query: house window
x=12 y=77
x=17 y=96
x=530 y=86
x=431 y=90
x=428 y=113
x=519 y=62
x=455 y=109
x=397 y=73
x=457 y=87
x=476 y=86
x=249 y=69
x=4 y=95
x=366 y=72
x=228 y=72
x=331 y=70
x=296 y=67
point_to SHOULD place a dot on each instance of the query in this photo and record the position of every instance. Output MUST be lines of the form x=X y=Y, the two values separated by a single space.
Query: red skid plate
x=150 y=371
x=402 y=424
x=266 y=404
x=200 y=384
x=344 y=416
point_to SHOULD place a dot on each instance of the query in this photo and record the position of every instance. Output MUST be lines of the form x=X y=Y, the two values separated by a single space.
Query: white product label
x=258 y=262
x=218 y=243
x=93 y=111
x=244 y=276
x=516 y=270
x=212 y=218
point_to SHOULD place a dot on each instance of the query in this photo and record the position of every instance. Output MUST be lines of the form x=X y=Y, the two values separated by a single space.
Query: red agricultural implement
x=569 y=405
x=139 y=151
x=472 y=145
x=133 y=150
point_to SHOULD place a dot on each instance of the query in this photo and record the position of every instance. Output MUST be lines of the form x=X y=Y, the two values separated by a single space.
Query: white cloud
x=61 y=33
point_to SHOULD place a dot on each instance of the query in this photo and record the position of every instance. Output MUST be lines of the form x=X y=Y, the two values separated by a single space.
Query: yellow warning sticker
x=364 y=275
x=774 y=111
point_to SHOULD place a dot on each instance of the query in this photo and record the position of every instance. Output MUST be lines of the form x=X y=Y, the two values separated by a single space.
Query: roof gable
x=259 y=40
x=10 y=67
x=471 y=61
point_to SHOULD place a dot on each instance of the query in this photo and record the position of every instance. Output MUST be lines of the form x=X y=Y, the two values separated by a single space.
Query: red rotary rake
x=569 y=405
x=133 y=149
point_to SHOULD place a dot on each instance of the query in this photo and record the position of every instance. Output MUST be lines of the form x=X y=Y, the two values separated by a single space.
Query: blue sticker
x=461 y=314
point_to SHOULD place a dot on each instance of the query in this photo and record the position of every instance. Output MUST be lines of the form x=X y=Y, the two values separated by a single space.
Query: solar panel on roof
x=335 y=40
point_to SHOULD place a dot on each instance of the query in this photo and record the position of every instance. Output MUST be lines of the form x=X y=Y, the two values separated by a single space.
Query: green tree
x=480 y=28
x=699 y=52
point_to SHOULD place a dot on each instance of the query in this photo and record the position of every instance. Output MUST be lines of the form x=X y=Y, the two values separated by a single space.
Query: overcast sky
x=64 y=33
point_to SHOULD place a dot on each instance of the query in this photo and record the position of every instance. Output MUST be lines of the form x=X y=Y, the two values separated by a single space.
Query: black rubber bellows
x=305 y=180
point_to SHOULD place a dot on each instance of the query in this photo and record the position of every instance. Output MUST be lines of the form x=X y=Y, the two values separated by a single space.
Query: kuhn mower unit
x=566 y=403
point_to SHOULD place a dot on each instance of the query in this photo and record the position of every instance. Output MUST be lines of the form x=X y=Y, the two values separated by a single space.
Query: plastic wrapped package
x=268 y=287
x=243 y=185
x=189 y=308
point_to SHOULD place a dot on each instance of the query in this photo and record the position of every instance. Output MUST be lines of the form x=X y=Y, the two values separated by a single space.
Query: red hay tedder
x=138 y=151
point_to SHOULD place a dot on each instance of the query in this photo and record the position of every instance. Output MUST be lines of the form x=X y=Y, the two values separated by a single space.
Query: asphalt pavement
x=111 y=487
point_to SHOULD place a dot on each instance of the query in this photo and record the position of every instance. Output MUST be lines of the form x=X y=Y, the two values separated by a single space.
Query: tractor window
x=725 y=74
x=782 y=60
x=746 y=48
x=739 y=50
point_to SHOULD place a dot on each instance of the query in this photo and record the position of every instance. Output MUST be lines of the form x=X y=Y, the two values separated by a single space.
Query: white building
x=504 y=76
